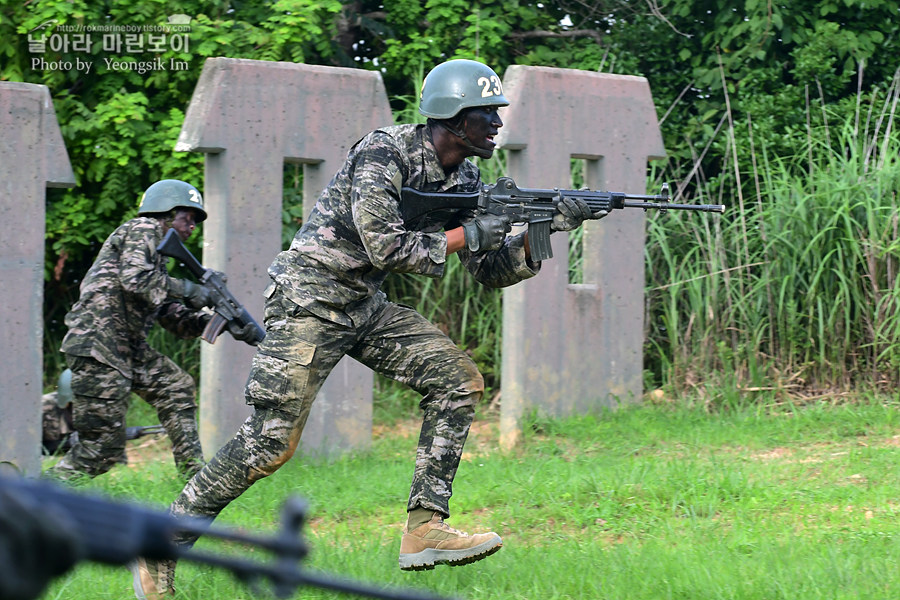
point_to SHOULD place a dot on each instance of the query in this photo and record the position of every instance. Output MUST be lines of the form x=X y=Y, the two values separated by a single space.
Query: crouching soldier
x=125 y=292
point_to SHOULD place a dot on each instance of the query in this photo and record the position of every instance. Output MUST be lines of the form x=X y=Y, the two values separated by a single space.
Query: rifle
x=226 y=306
x=131 y=433
x=534 y=207
x=139 y=431
x=116 y=533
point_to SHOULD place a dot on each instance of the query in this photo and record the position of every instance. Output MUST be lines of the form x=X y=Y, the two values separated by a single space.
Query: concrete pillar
x=570 y=349
x=32 y=158
x=250 y=117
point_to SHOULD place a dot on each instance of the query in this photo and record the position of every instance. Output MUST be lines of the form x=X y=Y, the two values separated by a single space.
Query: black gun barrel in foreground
x=116 y=533
x=228 y=311
x=534 y=207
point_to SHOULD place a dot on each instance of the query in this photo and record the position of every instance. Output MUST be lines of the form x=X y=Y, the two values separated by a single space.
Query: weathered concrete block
x=569 y=349
x=32 y=158
x=250 y=117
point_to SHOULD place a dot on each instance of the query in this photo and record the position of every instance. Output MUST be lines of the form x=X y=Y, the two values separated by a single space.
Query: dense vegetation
x=783 y=111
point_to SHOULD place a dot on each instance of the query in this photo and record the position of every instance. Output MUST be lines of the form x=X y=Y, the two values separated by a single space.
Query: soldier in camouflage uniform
x=125 y=292
x=325 y=301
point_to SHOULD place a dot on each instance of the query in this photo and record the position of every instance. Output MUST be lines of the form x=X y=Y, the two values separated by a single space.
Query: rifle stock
x=116 y=533
x=227 y=308
x=534 y=207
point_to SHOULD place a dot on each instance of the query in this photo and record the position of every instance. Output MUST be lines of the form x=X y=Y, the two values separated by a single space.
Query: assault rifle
x=228 y=311
x=117 y=533
x=534 y=207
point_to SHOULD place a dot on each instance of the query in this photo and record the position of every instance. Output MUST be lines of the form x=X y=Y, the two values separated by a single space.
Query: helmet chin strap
x=480 y=152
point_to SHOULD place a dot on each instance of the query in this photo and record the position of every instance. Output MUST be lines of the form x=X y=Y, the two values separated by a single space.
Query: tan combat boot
x=153 y=579
x=436 y=543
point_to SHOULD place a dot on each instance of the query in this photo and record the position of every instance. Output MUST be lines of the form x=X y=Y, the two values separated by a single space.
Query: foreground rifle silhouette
x=116 y=533
x=534 y=207
x=228 y=310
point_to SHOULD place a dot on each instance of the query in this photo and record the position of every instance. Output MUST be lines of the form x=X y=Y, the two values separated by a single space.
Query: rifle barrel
x=717 y=208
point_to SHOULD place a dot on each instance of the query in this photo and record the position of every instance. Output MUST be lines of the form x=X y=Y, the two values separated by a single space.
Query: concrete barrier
x=250 y=117
x=32 y=158
x=571 y=349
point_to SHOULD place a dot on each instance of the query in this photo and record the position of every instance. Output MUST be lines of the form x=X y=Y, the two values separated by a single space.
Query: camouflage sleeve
x=181 y=320
x=142 y=271
x=375 y=202
x=503 y=267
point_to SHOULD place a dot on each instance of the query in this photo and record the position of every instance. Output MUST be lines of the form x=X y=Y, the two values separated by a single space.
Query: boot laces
x=444 y=527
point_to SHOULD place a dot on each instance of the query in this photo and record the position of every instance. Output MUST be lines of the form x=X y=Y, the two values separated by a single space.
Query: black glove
x=486 y=232
x=195 y=295
x=247 y=333
x=571 y=213
x=36 y=544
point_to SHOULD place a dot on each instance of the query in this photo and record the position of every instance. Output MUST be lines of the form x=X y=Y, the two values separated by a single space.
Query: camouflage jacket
x=355 y=235
x=125 y=292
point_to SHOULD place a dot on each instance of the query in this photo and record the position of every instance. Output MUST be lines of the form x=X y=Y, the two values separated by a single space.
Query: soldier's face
x=480 y=126
x=184 y=222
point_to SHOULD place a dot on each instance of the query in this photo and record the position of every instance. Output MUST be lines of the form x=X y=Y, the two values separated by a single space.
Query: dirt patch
x=773 y=454
x=151 y=449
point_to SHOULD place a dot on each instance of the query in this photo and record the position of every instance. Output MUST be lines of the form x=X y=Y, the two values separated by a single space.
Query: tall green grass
x=796 y=287
x=760 y=501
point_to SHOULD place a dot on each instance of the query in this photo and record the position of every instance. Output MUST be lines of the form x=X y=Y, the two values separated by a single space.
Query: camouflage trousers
x=290 y=365
x=101 y=403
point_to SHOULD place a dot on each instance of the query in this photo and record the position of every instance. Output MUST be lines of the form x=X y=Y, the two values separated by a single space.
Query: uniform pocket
x=279 y=376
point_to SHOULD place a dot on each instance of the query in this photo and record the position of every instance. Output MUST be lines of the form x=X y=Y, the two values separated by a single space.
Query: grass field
x=651 y=502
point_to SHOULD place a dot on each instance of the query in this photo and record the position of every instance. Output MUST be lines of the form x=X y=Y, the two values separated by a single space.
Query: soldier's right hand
x=196 y=296
x=486 y=232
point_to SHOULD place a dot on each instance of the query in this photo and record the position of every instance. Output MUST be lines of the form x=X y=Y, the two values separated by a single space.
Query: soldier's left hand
x=571 y=213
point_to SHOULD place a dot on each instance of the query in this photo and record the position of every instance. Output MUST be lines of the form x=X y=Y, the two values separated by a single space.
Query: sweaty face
x=184 y=222
x=480 y=125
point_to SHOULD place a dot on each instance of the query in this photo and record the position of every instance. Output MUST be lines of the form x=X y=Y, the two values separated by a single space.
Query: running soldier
x=325 y=302
x=125 y=292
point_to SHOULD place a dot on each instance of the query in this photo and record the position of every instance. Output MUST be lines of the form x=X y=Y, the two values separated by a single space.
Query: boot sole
x=428 y=558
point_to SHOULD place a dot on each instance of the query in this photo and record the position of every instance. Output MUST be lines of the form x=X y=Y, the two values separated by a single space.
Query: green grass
x=649 y=502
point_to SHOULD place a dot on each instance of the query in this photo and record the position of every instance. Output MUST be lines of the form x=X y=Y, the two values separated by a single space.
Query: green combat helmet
x=166 y=194
x=457 y=84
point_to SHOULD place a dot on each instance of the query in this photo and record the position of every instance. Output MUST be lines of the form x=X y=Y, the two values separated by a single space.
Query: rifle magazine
x=539 y=240
x=215 y=326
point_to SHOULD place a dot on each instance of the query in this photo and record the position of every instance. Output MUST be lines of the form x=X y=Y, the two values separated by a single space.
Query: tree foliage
x=714 y=66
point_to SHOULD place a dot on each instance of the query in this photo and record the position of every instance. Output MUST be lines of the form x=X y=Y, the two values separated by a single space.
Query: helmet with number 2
x=457 y=84
x=167 y=194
